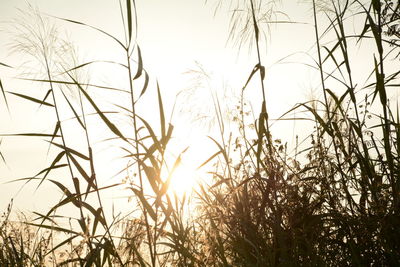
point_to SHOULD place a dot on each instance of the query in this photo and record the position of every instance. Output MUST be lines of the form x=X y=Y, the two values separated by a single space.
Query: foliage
x=333 y=203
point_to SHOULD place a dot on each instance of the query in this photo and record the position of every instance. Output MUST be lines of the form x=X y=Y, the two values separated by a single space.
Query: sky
x=175 y=37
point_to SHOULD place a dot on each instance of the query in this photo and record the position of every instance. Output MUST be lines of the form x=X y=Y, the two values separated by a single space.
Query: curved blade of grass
x=52 y=166
x=109 y=124
x=73 y=83
x=45 y=97
x=31 y=135
x=64 y=242
x=156 y=142
x=255 y=69
x=140 y=63
x=161 y=110
x=97 y=29
x=54 y=228
x=35 y=100
x=221 y=149
x=89 y=179
x=380 y=85
x=262 y=131
x=129 y=15
x=77 y=185
x=166 y=184
x=208 y=160
x=152 y=176
x=56 y=129
x=44 y=217
x=70 y=150
x=70 y=197
x=95 y=213
x=4 y=95
x=319 y=119
x=145 y=85
x=73 y=110
x=93 y=62
x=97 y=216
x=5 y=65
x=145 y=203
x=1 y=154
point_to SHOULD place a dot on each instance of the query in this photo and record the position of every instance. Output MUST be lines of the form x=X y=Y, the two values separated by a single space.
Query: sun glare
x=183 y=179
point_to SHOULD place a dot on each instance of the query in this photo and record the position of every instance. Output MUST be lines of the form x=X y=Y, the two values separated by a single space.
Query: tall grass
x=337 y=206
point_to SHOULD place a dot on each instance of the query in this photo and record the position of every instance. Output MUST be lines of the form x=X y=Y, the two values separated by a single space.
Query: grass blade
x=32 y=99
x=140 y=63
x=4 y=94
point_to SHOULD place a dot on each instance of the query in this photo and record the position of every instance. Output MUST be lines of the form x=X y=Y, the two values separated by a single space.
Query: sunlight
x=184 y=179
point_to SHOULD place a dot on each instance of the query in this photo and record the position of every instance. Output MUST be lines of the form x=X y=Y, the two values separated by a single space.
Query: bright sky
x=173 y=36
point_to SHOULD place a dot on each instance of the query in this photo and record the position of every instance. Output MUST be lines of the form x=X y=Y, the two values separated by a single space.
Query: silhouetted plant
x=335 y=202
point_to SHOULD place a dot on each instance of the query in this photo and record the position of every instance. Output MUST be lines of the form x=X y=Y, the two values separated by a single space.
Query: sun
x=184 y=179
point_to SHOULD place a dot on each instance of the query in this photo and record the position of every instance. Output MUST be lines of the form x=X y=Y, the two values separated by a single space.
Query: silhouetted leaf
x=70 y=150
x=73 y=110
x=145 y=85
x=110 y=125
x=97 y=29
x=32 y=99
x=4 y=94
x=145 y=204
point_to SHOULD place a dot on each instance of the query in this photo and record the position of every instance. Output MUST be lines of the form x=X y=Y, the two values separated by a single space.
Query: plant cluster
x=334 y=202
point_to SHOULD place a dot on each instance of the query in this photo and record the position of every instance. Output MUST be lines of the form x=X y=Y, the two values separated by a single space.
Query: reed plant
x=333 y=202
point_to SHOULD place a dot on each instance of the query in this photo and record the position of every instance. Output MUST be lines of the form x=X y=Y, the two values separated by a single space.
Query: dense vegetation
x=333 y=202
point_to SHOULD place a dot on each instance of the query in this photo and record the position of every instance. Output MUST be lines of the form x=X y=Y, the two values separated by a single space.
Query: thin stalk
x=386 y=128
x=262 y=74
x=137 y=155
x=328 y=112
x=257 y=32
x=94 y=177
x=61 y=132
